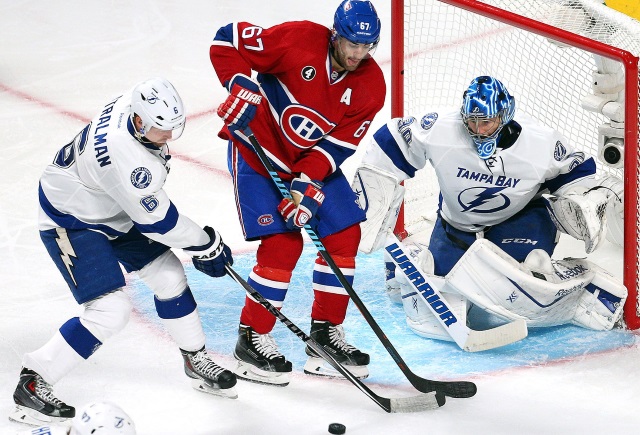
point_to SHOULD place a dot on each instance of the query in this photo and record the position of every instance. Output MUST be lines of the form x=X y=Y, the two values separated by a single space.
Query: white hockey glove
x=212 y=257
x=581 y=214
x=379 y=195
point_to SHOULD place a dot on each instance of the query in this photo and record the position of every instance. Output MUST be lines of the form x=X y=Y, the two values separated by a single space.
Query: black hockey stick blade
x=456 y=389
x=420 y=402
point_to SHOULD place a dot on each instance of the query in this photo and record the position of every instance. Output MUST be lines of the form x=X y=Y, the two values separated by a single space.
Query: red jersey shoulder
x=368 y=78
x=298 y=36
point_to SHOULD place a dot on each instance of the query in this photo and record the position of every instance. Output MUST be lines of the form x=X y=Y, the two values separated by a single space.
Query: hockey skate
x=331 y=338
x=207 y=376
x=259 y=359
x=36 y=404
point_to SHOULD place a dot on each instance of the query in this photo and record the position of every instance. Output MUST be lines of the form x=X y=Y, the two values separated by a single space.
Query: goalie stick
x=456 y=389
x=468 y=339
x=420 y=402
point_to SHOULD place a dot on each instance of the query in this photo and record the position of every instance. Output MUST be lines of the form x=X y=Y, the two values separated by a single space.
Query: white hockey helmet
x=102 y=418
x=158 y=105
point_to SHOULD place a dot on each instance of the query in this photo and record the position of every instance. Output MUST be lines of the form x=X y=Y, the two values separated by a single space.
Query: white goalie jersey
x=479 y=193
x=106 y=180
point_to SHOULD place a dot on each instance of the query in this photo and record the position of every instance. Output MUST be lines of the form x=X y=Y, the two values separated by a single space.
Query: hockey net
x=545 y=52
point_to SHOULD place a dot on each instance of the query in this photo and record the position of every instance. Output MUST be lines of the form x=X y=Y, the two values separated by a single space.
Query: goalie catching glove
x=581 y=214
x=212 y=257
x=242 y=103
x=306 y=199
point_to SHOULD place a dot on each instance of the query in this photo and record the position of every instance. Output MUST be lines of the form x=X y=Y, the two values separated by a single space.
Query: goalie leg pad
x=379 y=195
x=421 y=319
x=544 y=293
x=602 y=304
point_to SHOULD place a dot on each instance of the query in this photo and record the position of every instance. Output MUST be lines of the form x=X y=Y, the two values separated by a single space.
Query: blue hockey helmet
x=357 y=21
x=486 y=98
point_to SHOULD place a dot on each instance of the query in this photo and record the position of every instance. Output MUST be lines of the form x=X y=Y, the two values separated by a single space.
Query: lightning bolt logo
x=487 y=196
x=66 y=251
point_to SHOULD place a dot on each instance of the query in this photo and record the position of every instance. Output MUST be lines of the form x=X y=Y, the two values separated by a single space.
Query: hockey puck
x=337 y=428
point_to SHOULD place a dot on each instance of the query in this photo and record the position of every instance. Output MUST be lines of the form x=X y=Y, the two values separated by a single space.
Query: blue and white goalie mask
x=487 y=107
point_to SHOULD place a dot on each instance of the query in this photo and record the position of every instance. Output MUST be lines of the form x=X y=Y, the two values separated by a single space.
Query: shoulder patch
x=559 y=152
x=404 y=130
x=428 y=120
x=149 y=203
x=308 y=73
x=141 y=177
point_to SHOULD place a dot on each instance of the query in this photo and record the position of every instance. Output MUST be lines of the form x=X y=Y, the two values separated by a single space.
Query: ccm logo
x=523 y=241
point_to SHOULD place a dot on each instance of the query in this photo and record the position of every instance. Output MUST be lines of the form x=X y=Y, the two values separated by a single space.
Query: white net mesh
x=445 y=47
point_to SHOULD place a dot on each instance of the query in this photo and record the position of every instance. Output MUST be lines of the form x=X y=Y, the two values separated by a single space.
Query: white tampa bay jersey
x=478 y=193
x=106 y=180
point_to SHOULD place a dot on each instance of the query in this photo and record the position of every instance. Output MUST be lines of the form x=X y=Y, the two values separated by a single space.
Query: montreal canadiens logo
x=303 y=126
x=141 y=177
x=265 y=219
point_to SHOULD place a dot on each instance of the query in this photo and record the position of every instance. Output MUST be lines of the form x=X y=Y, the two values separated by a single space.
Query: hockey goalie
x=508 y=186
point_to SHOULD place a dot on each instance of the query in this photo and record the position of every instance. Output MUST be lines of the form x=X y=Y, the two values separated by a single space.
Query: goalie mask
x=158 y=105
x=486 y=104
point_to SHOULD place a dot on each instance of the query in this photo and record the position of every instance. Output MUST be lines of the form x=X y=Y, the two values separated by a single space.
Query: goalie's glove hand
x=242 y=103
x=581 y=214
x=212 y=257
x=307 y=198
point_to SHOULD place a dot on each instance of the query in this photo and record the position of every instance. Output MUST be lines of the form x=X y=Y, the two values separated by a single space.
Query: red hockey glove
x=242 y=103
x=307 y=198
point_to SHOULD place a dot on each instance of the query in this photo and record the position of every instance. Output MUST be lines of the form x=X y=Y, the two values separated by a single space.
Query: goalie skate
x=259 y=360
x=35 y=403
x=331 y=338
x=207 y=376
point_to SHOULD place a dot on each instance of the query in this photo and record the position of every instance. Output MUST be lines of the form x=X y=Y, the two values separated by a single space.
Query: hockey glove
x=307 y=198
x=212 y=257
x=242 y=103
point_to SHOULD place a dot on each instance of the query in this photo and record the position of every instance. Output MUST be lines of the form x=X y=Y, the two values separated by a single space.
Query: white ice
x=60 y=61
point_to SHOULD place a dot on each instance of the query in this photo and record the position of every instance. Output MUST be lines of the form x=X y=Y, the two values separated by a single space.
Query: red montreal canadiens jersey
x=313 y=117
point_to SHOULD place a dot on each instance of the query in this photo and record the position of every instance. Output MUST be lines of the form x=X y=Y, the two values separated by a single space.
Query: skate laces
x=266 y=345
x=337 y=337
x=44 y=391
x=205 y=365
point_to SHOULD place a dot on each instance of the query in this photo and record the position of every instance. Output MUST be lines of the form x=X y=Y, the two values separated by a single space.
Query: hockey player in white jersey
x=102 y=206
x=509 y=181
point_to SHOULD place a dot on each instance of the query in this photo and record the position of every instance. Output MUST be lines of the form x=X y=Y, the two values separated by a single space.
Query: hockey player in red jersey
x=314 y=93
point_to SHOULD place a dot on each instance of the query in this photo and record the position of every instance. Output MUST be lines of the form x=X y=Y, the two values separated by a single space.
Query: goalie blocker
x=379 y=195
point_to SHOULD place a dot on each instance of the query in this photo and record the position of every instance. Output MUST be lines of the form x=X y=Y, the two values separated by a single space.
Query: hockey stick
x=421 y=402
x=458 y=389
x=468 y=339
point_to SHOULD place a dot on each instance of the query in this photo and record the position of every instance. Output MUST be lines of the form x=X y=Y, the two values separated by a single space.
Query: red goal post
x=546 y=59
